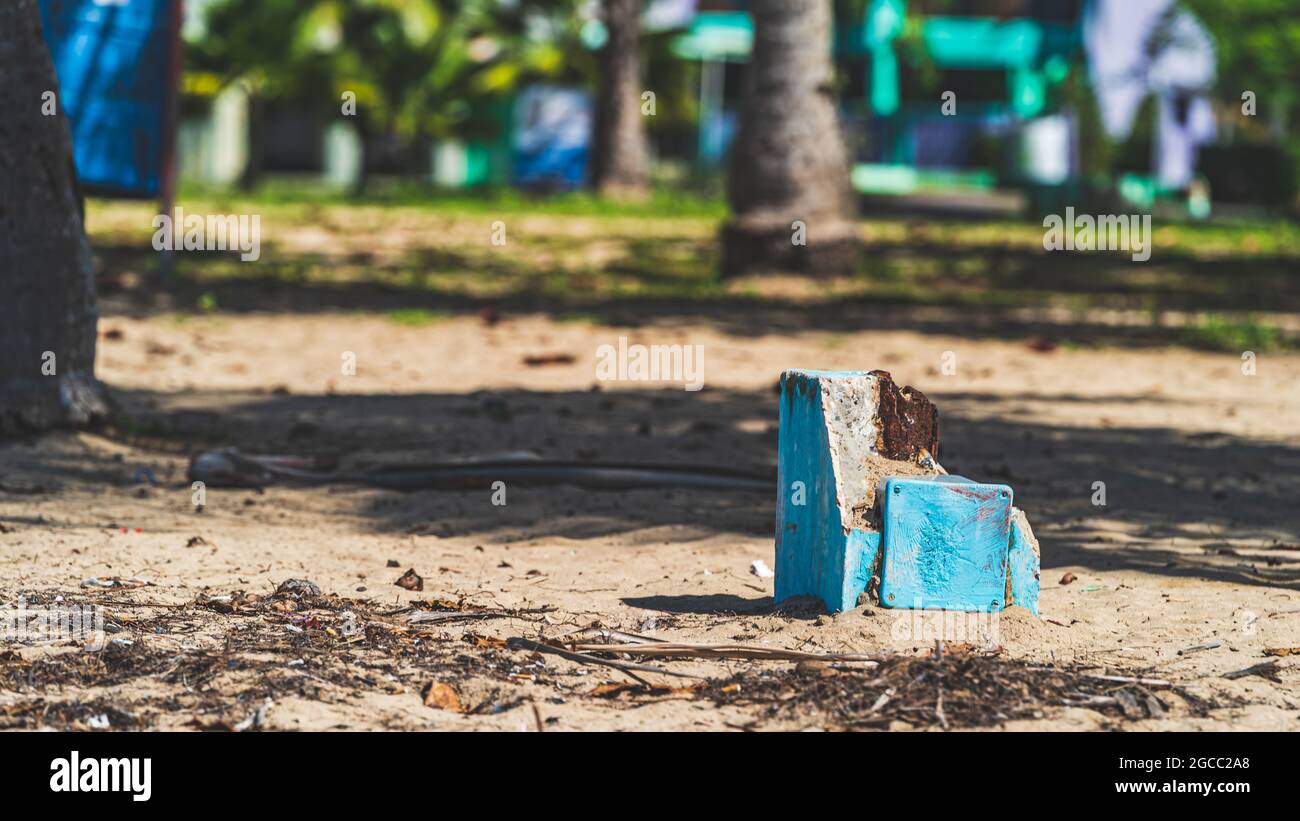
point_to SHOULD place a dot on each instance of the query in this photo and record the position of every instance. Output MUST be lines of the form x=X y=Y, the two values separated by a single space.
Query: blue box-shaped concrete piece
x=946 y=544
x=846 y=513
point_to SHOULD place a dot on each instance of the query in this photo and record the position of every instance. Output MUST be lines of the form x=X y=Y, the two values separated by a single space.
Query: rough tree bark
x=619 y=147
x=788 y=163
x=47 y=290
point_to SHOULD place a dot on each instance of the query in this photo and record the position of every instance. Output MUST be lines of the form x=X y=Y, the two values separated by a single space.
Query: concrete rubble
x=864 y=505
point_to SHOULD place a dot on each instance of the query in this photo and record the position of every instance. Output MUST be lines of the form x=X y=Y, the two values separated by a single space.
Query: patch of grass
x=1226 y=333
x=280 y=191
x=416 y=317
x=207 y=302
x=579 y=255
x=580 y=318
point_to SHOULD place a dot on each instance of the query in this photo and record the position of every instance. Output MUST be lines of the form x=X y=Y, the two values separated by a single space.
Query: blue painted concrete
x=1023 y=566
x=811 y=547
x=817 y=554
x=863 y=548
x=946 y=542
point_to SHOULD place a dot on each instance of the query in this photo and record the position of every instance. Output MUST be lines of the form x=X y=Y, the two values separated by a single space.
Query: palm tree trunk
x=789 y=177
x=47 y=312
x=256 y=162
x=619 y=149
x=367 y=141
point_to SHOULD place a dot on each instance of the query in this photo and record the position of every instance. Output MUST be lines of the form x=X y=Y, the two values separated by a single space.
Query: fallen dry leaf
x=616 y=690
x=443 y=697
x=1282 y=651
x=411 y=580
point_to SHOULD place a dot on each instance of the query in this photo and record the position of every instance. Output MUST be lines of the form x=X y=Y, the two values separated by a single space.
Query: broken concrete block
x=861 y=497
x=1023 y=563
x=842 y=432
x=945 y=544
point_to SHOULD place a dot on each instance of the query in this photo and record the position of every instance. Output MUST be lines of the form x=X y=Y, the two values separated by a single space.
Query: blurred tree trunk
x=366 y=140
x=788 y=181
x=256 y=161
x=619 y=149
x=47 y=312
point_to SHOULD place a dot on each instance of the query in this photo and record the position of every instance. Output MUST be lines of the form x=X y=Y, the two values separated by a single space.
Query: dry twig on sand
x=581 y=658
x=1267 y=669
x=748 y=652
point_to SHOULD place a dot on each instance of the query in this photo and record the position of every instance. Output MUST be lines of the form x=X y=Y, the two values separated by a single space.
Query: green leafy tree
x=1257 y=48
x=245 y=44
x=415 y=69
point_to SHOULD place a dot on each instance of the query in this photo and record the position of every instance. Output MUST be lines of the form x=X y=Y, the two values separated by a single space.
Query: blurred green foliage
x=1221 y=332
x=417 y=68
x=1257 y=47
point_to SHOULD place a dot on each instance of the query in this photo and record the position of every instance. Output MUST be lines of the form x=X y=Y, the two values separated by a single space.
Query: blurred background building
x=981 y=103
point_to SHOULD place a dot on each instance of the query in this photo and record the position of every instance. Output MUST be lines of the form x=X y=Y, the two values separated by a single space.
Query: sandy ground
x=1196 y=543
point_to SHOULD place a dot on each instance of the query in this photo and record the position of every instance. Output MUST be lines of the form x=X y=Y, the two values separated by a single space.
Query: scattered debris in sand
x=410 y=580
x=1267 y=669
x=1209 y=645
x=539 y=360
x=210 y=641
x=297 y=587
x=443 y=696
x=114 y=583
x=954 y=689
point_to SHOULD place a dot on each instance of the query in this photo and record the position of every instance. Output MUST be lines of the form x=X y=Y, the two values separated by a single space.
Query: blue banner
x=111 y=57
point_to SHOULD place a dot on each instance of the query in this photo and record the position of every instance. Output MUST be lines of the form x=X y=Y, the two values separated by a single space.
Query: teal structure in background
x=715 y=39
x=1035 y=55
x=883 y=25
